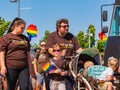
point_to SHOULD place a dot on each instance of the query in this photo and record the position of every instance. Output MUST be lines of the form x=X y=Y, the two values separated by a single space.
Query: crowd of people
x=26 y=72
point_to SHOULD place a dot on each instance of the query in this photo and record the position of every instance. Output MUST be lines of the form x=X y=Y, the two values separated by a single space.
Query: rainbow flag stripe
x=47 y=67
x=32 y=31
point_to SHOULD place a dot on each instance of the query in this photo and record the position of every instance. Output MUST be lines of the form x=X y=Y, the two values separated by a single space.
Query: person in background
x=14 y=54
x=107 y=75
x=63 y=37
x=39 y=60
x=32 y=71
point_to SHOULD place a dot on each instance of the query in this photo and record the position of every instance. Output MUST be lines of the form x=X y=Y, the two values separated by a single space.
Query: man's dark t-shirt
x=68 y=42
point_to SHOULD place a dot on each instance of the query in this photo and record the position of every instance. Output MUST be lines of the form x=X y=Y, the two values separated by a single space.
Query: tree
x=101 y=46
x=80 y=38
x=83 y=39
x=47 y=32
x=91 y=34
x=34 y=46
x=3 y=26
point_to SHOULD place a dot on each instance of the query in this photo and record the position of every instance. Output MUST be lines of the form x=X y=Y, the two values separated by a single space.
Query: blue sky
x=44 y=13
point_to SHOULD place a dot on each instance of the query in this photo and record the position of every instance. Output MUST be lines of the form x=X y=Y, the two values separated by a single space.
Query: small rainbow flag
x=48 y=66
x=102 y=36
x=31 y=31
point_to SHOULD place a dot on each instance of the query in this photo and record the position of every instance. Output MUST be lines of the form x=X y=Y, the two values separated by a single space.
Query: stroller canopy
x=89 y=54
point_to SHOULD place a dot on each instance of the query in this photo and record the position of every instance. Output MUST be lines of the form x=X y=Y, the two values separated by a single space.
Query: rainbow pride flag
x=31 y=31
x=48 y=66
x=102 y=36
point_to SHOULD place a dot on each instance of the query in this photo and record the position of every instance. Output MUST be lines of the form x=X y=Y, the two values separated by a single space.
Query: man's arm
x=77 y=47
x=50 y=50
x=79 y=50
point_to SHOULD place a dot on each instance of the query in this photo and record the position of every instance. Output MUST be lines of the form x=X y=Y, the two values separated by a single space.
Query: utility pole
x=89 y=37
x=19 y=6
x=18 y=1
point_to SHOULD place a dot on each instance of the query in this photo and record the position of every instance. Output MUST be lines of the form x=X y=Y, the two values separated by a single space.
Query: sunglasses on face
x=43 y=45
x=56 y=50
x=64 y=26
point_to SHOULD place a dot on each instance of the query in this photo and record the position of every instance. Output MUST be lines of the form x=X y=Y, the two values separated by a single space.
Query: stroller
x=77 y=63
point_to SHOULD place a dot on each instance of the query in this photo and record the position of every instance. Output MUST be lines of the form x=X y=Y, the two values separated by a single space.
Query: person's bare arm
x=50 y=50
x=57 y=70
x=2 y=63
x=79 y=50
x=110 y=78
x=119 y=69
x=35 y=65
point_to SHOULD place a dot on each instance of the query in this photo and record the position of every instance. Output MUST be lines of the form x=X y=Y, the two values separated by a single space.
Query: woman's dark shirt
x=16 y=48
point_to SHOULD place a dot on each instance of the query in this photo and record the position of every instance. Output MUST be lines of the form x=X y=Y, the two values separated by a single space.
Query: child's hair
x=57 y=46
x=112 y=62
x=87 y=64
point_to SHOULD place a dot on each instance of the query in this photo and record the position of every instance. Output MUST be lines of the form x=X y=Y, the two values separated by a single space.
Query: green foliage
x=47 y=32
x=101 y=46
x=34 y=46
x=92 y=35
x=3 y=26
x=83 y=39
x=80 y=38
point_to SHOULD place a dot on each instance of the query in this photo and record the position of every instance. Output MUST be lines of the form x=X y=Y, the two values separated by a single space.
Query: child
x=57 y=75
x=107 y=75
x=87 y=64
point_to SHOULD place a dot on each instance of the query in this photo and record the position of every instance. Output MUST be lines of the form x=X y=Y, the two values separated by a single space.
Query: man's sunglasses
x=64 y=26
x=43 y=45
